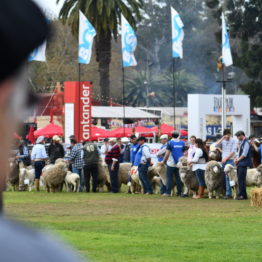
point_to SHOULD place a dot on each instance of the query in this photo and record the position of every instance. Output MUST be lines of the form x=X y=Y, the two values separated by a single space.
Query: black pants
x=91 y=170
x=241 y=176
x=39 y=165
x=114 y=177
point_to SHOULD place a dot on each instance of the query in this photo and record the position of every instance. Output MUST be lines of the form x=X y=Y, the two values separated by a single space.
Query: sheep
x=72 y=180
x=54 y=176
x=214 y=153
x=103 y=178
x=26 y=173
x=124 y=169
x=156 y=183
x=231 y=172
x=13 y=178
x=254 y=175
x=214 y=179
x=135 y=184
x=189 y=180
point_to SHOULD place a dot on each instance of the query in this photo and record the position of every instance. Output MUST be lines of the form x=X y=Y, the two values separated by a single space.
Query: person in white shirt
x=198 y=164
x=105 y=148
x=192 y=149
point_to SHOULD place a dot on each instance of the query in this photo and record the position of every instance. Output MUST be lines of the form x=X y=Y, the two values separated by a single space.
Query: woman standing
x=198 y=164
x=192 y=149
x=39 y=157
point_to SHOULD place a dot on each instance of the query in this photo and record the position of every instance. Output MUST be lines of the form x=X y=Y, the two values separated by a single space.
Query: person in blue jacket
x=134 y=148
x=176 y=149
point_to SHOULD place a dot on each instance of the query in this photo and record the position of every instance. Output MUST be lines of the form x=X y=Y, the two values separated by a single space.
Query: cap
x=112 y=139
x=124 y=140
x=164 y=137
x=56 y=138
x=40 y=139
x=240 y=133
x=23 y=27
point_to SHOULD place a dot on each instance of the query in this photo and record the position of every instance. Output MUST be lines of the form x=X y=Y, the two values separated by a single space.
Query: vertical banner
x=78 y=110
x=226 y=51
x=38 y=54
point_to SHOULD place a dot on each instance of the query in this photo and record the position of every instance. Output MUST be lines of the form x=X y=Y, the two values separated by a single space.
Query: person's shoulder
x=19 y=243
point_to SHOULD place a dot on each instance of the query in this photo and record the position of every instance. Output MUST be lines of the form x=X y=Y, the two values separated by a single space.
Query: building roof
x=117 y=112
x=180 y=111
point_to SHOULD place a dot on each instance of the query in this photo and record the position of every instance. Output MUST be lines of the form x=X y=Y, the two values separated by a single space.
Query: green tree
x=105 y=16
x=143 y=88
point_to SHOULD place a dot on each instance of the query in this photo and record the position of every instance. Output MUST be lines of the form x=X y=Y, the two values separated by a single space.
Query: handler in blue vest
x=143 y=161
x=160 y=158
x=134 y=148
x=176 y=148
x=243 y=161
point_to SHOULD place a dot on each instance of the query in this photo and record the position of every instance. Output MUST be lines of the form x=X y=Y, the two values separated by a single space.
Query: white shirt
x=104 y=149
x=198 y=162
x=39 y=152
x=145 y=154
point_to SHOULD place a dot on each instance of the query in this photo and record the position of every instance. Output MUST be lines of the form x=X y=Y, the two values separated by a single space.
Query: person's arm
x=196 y=157
x=167 y=154
x=219 y=142
x=161 y=152
x=244 y=153
x=255 y=146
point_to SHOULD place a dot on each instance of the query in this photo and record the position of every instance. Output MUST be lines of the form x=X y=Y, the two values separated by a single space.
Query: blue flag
x=129 y=43
x=38 y=54
x=177 y=34
x=86 y=37
x=226 y=51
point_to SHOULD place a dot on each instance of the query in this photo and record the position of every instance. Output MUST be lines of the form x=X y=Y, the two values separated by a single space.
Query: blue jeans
x=228 y=187
x=170 y=171
x=79 y=172
x=142 y=171
x=162 y=188
x=200 y=174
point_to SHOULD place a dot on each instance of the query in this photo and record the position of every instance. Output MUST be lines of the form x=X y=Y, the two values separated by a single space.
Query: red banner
x=78 y=110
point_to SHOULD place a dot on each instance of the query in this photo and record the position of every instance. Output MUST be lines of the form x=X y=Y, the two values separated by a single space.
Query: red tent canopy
x=120 y=132
x=99 y=133
x=183 y=132
x=49 y=131
x=145 y=131
x=164 y=129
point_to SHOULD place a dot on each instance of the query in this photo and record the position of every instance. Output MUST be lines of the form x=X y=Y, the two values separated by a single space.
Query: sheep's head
x=259 y=168
x=159 y=168
x=59 y=160
x=228 y=168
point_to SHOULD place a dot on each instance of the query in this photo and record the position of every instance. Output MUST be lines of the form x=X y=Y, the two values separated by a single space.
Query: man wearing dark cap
x=242 y=161
x=23 y=28
x=143 y=161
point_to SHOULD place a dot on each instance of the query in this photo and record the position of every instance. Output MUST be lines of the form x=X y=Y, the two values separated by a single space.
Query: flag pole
x=79 y=92
x=123 y=99
x=174 y=91
x=224 y=117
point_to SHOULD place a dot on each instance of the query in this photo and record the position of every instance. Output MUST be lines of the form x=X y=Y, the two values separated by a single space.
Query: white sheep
x=72 y=180
x=26 y=178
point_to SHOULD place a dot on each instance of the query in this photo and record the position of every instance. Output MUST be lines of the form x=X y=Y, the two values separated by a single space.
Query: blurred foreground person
x=22 y=28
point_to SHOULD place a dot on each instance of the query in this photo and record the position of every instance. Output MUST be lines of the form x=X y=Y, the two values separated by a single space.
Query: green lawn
x=120 y=227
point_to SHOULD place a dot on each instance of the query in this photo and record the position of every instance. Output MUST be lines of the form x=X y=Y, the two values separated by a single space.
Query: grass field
x=121 y=227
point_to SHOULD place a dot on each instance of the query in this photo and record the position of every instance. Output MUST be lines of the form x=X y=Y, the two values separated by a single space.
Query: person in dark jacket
x=242 y=161
x=23 y=157
x=126 y=149
x=55 y=150
x=91 y=159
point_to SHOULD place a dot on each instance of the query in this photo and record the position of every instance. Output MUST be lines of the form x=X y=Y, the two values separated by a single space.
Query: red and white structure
x=78 y=110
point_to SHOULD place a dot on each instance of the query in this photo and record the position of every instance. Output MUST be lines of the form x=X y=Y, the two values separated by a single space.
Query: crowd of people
x=83 y=159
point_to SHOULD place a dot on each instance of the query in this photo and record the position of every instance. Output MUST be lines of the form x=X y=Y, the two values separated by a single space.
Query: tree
x=105 y=16
x=244 y=19
x=146 y=89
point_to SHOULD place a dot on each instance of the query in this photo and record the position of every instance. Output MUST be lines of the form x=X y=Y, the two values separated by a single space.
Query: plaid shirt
x=76 y=157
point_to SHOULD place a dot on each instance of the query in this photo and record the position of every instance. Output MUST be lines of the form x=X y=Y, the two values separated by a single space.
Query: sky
x=50 y=5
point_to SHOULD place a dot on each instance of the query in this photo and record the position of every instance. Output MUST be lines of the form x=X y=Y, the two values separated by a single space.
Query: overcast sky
x=50 y=5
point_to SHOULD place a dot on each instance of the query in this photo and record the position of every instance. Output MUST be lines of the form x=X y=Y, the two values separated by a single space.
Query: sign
x=78 y=110
x=154 y=148
x=229 y=104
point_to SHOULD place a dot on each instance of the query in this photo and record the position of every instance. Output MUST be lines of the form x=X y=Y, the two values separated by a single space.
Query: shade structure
x=30 y=137
x=121 y=132
x=49 y=131
x=183 y=133
x=145 y=131
x=99 y=133
x=164 y=129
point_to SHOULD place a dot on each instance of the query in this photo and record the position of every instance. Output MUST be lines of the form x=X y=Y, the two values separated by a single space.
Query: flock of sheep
x=55 y=176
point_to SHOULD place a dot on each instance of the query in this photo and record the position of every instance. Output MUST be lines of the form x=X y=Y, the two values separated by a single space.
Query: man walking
x=176 y=148
x=91 y=159
x=228 y=146
x=143 y=161
x=242 y=161
x=76 y=159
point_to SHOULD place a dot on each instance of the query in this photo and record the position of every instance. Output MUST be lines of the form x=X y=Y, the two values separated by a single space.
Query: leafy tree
x=143 y=88
x=105 y=16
